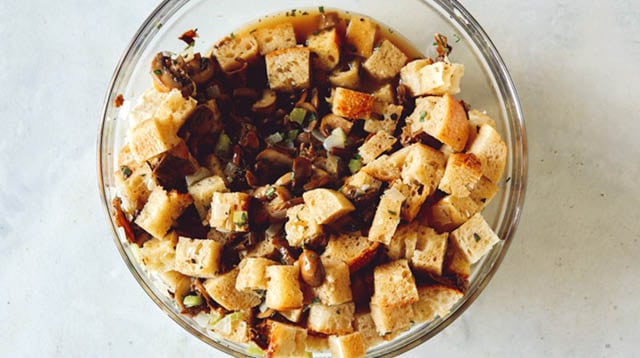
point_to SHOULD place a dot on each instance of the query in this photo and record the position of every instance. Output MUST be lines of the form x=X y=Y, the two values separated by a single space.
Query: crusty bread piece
x=474 y=238
x=435 y=300
x=385 y=62
x=394 y=284
x=347 y=346
x=423 y=77
x=234 y=327
x=352 y=104
x=336 y=287
x=300 y=225
x=202 y=193
x=451 y=211
x=317 y=343
x=292 y=315
x=421 y=115
x=151 y=138
x=382 y=169
x=145 y=106
x=174 y=109
x=477 y=119
x=230 y=212
x=423 y=165
x=444 y=119
x=447 y=150
x=222 y=289
x=288 y=70
x=326 y=205
x=416 y=194
x=176 y=282
x=232 y=52
x=198 y=258
x=286 y=341
x=385 y=94
x=347 y=78
x=376 y=145
x=265 y=248
x=390 y=319
x=403 y=242
x=355 y=250
x=456 y=263
x=337 y=319
x=252 y=274
x=361 y=32
x=283 y=287
x=483 y=192
x=390 y=113
x=491 y=151
x=461 y=174
x=134 y=184
x=158 y=255
x=387 y=216
x=325 y=44
x=277 y=37
x=430 y=251
x=161 y=211
x=364 y=324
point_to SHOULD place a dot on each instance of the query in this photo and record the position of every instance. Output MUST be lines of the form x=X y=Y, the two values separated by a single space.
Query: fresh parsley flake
x=476 y=237
x=321 y=9
x=232 y=35
x=126 y=171
x=157 y=72
x=423 y=115
x=315 y=300
x=270 y=193
x=159 y=25
x=392 y=212
x=455 y=36
x=508 y=180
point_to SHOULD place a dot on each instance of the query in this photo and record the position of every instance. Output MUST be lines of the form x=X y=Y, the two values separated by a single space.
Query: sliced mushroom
x=200 y=69
x=302 y=170
x=328 y=20
x=332 y=121
x=168 y=74
x=275 y=157
x=318 y=179
x=267 y=103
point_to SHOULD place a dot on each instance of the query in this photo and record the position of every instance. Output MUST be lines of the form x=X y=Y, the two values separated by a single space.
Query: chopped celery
x=298 y=115
x=240 y=218
x=192 y=301
x=275 y=138
x=355 y=165
x=223 y=147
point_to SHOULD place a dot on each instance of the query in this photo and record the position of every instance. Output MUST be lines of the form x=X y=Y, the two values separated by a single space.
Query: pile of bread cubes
x=440 y=239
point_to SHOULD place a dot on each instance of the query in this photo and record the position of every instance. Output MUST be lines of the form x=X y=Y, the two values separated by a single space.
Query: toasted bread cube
x=483 y=192
x=277 y=37
x=265 y=248
x=415 y=194
x=382 y=168
x=286 y=341
x=403 y=242
x=385 y=94
x=394 y=284
x=456 y=263
x=363 y=323
x=234 y=327
x=376 y=145
x=230 y=212
x=222 y=289
x=134 y=187
x=252 y=274
x=435 y=300
x=387 y=216
x=474 y=238
x=461 y=174
x=420 y=118
x=198 y=258
x=176 y=282
x=385 y=62
x=202 y=193
x=317 y=343
x=158 y=255
x=355 y=250
x=326 y=205
x=326 y=45
x=352 y=104
x=447 y=150
x=347 y=78
x=288 y=69
x=390 y=319
x=300 y=225
x=444 y=120
x=151 y=138
x=283 y=287
x=491 y=151
x=390 y=115
x=161 y=211
x=361 y=32
x=360 y=183
x=233 y=52
x=347 y=346
x=430 y=251
x=292 y=315
x=423 y=77
x=451 y=211
x=335 y=319
x=336 y=287
x=477 y=119
x=423 y=165
x=145 y=106
x=174 y=109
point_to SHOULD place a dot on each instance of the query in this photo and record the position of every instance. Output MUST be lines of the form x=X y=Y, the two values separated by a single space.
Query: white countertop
x=568 y=287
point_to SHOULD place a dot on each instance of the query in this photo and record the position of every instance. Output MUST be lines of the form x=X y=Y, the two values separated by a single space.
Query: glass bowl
x=486 y=85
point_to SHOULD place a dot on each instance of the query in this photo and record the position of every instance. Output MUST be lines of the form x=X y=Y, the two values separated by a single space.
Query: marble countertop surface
x=568 y=287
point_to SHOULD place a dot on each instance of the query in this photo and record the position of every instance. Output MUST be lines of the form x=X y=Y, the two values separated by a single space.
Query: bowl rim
x=464 y=19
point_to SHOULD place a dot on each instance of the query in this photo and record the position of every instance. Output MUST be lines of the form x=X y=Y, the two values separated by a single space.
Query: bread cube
x=288 y=69
x=451 y=211
x=491 y=151
x=202 y=193
x=376 y=145
x=361 y=32
x=277 y=37
x=390 y=113
x=474 y=238
x=336 y=287
x=161 y=211
x=317 y=343
x=174 y=109
x=388 y=319
x=360 y=183
x=423 y=77
x=385 y=62
x=382 y=168
x=385 y=94
x=326 y=205
x=447 y=120
x=456 y=263
x=158 y=255
x=387 y=216
x=252 y=273
x=176 y=282
x=234 y=327
x=265 y=248
x=347 y=78
x=198 y=258
x=335 y=319
x=423 y=165
x=483 y=192
x=461 y=174
x=421 y=115
x=300 y=225
x=477 y=119
x=415 y=194
x=286 y=341
x=364 y=324
x=292 y=315
x=151 y=138
x=348 y=346
x=222 y=289
x=435 y=300
x=230 y=212
x=352 y=104
x=430 y=251
x=134 y=185
x=354 y=250
x=325 y=44
x=403 y=242
x=233 y=52
x=145 y=107
x=394 y=284
x=283 y=287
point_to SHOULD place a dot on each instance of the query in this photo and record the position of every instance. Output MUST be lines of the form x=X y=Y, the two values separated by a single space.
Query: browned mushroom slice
x=302 y=171
x=318 y=179
x=271 y=163
x=328 y=20
x=331 y=122
x=267 y=103
x=200 y=69
x=168 y=74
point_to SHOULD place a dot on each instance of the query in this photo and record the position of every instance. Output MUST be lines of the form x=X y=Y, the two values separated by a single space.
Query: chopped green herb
x=126 y=172
x=270 y=193
x=292 y=135
x=192 y=301
x=274 y=138
x=457 y=37
x=476 y=237
x=157 y=72
x=312 y=117
x=252 y=31
x=223 y=147
x=293 y=12
x=435 y=44
x=392 y=212
x=357 y=156
x=298 y=115
x=159 y=25
x=321 y=9
x=423 y=115
x=508 y=180
x=315 y=300
x=355 y=165
x=232 y=35
x=240 y=218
